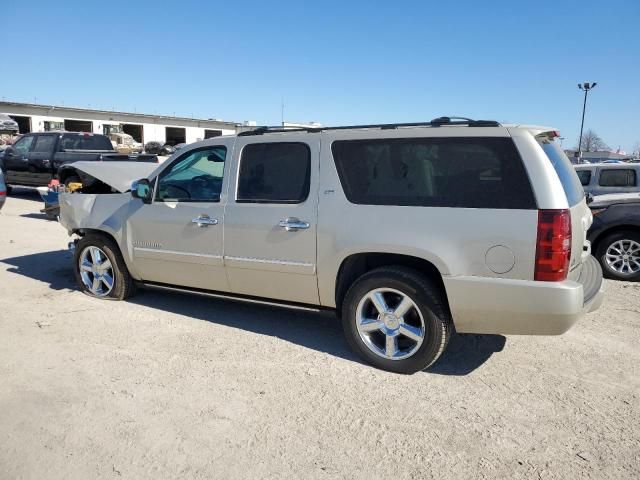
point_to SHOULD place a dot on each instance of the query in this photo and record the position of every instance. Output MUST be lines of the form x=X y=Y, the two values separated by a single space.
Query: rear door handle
x=204 y=221
x=292 y=224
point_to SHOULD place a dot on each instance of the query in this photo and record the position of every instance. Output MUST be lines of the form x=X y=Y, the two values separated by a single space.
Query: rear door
x=271 y=217
x=40 y=159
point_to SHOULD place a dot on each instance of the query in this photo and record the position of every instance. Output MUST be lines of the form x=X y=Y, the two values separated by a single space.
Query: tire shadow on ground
x=319 y=331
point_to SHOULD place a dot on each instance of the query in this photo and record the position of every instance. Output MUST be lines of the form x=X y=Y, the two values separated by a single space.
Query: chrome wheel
x=623 y=257
x=390 y=323
x=96 y=271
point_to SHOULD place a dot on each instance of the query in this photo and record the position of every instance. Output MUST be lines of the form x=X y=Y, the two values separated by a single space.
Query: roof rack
x=436 y=122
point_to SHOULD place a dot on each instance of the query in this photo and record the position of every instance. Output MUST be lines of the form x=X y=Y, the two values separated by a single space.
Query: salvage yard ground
x=173 y=386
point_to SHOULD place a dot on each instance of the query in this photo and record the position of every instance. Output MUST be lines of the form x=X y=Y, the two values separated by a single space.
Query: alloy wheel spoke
x=404 y=306
x=391 y=346
x=409 y=331
x=95 y=285
x=379 y=302
x=370 y=325
x=106 y=264
x=86 y=266
x=107 y=280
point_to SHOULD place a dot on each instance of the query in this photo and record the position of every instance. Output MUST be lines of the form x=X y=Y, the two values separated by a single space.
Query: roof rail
x=436 y=122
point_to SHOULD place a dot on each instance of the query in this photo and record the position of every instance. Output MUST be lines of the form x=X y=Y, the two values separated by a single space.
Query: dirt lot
x=172 y=386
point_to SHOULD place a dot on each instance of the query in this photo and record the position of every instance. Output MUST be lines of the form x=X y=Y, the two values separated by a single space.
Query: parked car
x=157 y=148
x=37 y=158
x=407 y=231
x=7 y=124
x=3 y=190
x=604 y=178
x=615 y=234
x=124 y=143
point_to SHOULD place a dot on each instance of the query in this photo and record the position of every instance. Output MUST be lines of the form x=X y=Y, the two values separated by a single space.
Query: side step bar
x=228 y=296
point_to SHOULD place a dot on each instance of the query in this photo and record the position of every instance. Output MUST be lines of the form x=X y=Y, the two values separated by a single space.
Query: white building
x=142 y=127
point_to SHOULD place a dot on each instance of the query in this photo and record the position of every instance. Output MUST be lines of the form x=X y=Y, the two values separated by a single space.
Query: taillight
x=553 y=248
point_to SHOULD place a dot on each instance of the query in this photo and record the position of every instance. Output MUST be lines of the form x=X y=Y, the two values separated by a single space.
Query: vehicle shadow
x=318 y=331
x=52 y=267
x=39 y=216
x=26 y=193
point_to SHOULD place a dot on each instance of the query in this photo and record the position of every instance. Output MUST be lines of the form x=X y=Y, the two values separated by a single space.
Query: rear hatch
x=581 y=217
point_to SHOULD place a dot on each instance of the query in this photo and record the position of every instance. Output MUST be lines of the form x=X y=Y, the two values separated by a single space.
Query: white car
x=407 y=231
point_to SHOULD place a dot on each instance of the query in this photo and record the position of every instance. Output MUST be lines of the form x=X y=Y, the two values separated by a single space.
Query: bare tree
x=636 y=150
x=591 y=142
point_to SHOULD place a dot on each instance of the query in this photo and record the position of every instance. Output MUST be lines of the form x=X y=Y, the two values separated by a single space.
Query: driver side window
x=196 y=176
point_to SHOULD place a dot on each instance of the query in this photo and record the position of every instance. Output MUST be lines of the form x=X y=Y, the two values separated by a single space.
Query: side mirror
x=142 y=190
x=589 y=198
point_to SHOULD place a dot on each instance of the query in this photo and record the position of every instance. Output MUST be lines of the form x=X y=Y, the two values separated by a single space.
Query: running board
x=227 y=296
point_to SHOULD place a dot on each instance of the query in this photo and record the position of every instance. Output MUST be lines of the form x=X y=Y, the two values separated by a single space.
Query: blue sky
x=339 y=62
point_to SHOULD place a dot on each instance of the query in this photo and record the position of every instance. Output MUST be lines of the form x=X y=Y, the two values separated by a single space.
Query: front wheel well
x=358 y=264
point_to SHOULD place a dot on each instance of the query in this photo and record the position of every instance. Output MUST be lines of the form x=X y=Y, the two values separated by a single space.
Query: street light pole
x=585 y=87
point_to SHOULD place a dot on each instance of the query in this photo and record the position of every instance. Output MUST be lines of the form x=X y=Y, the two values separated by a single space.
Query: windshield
x=566 y=173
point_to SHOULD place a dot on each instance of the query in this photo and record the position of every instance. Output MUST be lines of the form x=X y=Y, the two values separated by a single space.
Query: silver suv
x=408 y=231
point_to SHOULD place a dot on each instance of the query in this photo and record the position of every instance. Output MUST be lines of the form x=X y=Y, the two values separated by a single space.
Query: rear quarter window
x=617 y=177
x=566 y=172
x=464 y=172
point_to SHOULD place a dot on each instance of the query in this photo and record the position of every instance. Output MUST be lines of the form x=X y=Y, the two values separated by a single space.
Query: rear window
x=584 y=176
x=617 y=177
x=439 y=172
x=85 y=142
x=566 y=173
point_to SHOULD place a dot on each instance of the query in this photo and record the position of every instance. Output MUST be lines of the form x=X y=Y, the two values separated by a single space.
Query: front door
x=270 y=223
x=177 y=239
x=16 y=161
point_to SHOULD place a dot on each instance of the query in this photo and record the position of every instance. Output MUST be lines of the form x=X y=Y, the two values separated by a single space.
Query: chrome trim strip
x=231 y=297
x=175 y=252
x=266 y=260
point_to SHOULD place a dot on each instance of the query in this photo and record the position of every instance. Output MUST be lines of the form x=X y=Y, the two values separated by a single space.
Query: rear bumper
x=523 y=307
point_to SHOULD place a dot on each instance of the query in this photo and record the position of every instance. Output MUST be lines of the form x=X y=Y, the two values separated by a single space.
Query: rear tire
x=100 y=270
x=618 y=253
x=396 y=319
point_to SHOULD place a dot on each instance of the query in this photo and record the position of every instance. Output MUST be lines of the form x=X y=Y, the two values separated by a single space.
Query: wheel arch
x=357 y=264
x=595 y=242
x=83 y=232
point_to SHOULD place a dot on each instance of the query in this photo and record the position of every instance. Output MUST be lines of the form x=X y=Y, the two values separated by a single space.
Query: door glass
x=195 y=176
x=23 y=145
x=44 y=143
x=274 y=173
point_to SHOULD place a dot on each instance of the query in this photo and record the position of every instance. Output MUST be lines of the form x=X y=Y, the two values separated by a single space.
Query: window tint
x=23 y=145
x=274 y=173
x=85 y=142
x=617 y=177
x=442 y=172
x=566 y=173
x=44 y=143
x=195 y=176
x=584 y=176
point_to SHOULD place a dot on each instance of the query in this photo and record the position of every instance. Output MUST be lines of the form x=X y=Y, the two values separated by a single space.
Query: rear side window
x=44 y=143
x=584 y=176
x=274 y=173
x=439 y=172
x=566 y=173
x=617 y=177
x=85 y=142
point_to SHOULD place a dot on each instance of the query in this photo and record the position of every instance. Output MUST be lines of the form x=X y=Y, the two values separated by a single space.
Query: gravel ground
x=173 y=386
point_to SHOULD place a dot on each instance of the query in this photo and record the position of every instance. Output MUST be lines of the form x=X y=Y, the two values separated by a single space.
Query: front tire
x=619 y=255
x=396 y=319
x=100 y=270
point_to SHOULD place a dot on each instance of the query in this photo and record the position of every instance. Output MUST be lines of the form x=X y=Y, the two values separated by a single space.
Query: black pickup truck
x=37 y=158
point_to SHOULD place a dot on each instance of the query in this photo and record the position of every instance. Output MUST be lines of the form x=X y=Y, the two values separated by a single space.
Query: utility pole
x=586 y=86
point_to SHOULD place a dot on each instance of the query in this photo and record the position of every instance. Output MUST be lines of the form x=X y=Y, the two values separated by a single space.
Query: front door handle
x=204 y=221
x=292 y=224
